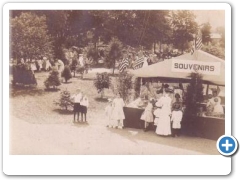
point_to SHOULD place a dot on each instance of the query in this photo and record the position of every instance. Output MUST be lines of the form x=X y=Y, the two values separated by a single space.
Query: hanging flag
x=197 y=43
x=138 y=63
x=199 y=40
x=193 y=48
x=124 y=65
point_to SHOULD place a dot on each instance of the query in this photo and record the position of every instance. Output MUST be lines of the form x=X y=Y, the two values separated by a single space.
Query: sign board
x=189 y=66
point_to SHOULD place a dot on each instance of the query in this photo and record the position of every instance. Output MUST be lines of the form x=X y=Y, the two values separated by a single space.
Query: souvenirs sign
x=189 y=66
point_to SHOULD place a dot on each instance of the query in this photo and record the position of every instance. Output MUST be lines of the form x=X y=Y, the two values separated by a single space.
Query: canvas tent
x=165 y=69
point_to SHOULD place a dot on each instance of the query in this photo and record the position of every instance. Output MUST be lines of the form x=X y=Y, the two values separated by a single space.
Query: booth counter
x=205 y=127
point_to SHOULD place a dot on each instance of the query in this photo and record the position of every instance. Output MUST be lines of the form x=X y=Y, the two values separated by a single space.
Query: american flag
x=123 y=65
x=197 y=42
x=138 y=63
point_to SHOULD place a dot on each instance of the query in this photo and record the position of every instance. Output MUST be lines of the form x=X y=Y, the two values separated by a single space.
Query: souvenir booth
x=177 y=71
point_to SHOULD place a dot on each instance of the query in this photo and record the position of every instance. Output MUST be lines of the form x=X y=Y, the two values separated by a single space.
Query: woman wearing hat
x=163 y=122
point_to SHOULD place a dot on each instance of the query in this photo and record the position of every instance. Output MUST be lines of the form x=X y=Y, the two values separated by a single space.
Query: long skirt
x=163 y=125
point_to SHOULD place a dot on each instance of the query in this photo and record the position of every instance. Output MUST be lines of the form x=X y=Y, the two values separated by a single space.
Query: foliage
x=114 y=53
x=65 y=100
x=221 y=30
x=66 y=73
x=194 y=94
x=124 y=85
x=215 y=50
x=92 y=54
x=184 y=26
x=22 y=74
x=102 y=81
x=53 y=79
x=206 y=30
x=137 y=87
x=29 y=36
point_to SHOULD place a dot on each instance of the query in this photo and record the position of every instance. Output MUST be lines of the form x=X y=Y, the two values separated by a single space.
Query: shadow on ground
x=63 y=111
x=200 y=145
x=25 y=91
x=80 y=124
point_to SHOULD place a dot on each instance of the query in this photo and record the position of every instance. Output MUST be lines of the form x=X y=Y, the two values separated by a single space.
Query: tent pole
x=141 y=81
x=207 y=89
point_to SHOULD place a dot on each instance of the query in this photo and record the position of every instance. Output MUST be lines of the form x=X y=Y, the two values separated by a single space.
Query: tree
x=194 y=95
x=29 y=36
x=124 y=85
x=66 y=73
x=65 y=100
x=114 y=53
x=183 y=27
x=221 y=30
x=53 y=79
x=92 y=54
x=206 y=31
x=101 y=82
x=22 y=74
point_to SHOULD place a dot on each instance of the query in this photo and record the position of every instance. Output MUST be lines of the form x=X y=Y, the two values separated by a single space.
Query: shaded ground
x=37 y=126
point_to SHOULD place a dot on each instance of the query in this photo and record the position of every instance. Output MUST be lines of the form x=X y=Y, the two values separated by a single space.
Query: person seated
x=210 y=104
x=218 y=108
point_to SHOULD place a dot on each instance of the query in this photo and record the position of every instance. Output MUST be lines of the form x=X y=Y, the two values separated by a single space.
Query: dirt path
x=83 y=138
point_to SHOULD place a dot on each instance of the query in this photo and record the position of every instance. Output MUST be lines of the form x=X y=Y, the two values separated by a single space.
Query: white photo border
x=114 y=164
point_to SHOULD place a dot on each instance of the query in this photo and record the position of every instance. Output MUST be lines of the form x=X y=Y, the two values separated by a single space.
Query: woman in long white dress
x=163 y=122
x=117 y=111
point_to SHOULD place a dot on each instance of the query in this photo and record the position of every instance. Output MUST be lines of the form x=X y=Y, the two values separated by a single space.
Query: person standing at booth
x=164 y=123
x=176 y=119
x=147 y=115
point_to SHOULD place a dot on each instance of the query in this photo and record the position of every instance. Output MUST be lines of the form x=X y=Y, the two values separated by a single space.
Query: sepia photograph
x=116 y=82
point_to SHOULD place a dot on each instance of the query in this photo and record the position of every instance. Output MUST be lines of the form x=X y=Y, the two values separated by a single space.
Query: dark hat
x=159 y=91
x=169 y=89
x=177 y=96
x=166 y=86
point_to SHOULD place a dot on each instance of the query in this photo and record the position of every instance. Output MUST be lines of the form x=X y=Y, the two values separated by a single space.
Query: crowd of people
x=166 y=113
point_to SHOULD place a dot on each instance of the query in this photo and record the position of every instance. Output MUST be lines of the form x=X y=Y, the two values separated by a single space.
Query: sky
x=215 y=17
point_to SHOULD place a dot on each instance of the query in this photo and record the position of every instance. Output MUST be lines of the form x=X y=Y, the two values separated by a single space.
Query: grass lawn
x=35 y=104
x=38 y=126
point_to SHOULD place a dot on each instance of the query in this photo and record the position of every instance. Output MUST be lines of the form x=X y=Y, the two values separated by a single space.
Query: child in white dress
x=176 y=119
x=108 y=113
x=117 y=112
x=147 y=115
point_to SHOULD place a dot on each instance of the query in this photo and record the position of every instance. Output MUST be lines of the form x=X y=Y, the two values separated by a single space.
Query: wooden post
x=207 y=89
x=141 y=87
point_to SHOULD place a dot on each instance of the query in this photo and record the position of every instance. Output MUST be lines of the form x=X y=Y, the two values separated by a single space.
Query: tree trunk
x=114 y=66
x=102 y=93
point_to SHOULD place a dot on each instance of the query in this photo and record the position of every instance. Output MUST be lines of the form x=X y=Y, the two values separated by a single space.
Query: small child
x=176 y=119
x=147 y=115
x=84 y=106
x=108 y=113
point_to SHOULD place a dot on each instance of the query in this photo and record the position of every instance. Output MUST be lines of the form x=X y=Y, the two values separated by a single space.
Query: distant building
x=215 y=38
